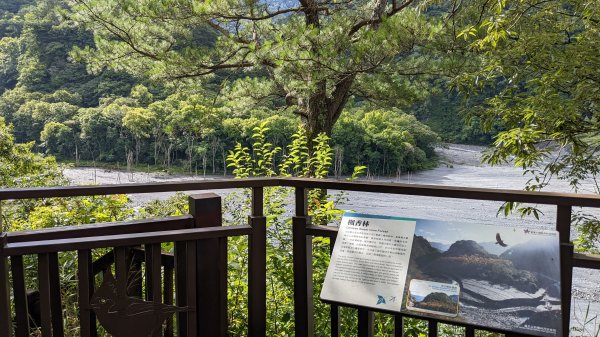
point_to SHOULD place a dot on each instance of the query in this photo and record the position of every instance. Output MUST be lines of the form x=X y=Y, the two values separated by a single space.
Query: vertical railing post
x=563 y=226
x=334 y=310
x=257 y=271
x=181 y=291
x=432 y=328
x=211 y=273
x=399 y=325
x=5 y=321
x=20 y=296
x=55 y=295
x=365 y=323
x=43 y=277
x=303 y=291
x=86 y=284
x=191 y=285
x=154 y=277
x=168 y=298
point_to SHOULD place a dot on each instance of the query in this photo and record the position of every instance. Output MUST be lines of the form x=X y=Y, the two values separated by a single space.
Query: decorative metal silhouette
x=499 y=240
x=124 y=316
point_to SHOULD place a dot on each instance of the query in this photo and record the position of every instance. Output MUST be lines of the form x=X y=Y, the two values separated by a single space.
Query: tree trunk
x=168 y=155
x=137 y=150
x=224 y=156
x=190 y=152
x=156 y=147
x=321 y=111
x=213 y=149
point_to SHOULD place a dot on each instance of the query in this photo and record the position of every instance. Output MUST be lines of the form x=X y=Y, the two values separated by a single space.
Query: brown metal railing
x=199 y=281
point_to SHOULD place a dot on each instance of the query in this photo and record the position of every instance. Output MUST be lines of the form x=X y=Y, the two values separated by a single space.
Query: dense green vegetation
x=224 y=86
x=126 y=119
x=542 y=62
x=35 y=214
x=315 y=60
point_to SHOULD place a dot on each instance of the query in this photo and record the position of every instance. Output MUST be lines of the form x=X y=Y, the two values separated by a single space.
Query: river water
x=460 y=167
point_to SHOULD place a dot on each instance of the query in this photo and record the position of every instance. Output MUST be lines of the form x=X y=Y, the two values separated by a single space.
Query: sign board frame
x=502 y=270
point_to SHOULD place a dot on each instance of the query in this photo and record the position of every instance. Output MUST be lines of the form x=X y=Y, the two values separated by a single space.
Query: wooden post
x=20 y=296
x=563 y=226
x=432 y=328
x=365 y=323
x=334 y=310
x=211 y=276
x=45 y=300
x=257 y=269
x=181 y=252
x=5 y=321
x=85 y=274
x=302 y=249
x=398 y=326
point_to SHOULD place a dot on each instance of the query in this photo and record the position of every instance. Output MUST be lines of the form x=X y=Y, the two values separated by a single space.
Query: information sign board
x=491 y=276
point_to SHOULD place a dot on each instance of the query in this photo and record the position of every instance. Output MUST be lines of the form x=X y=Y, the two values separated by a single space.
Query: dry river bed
x=460 y=167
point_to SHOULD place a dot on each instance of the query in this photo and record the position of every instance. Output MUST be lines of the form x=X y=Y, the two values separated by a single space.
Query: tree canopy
x=156 y=118
x=314 y=54
x=542 y=59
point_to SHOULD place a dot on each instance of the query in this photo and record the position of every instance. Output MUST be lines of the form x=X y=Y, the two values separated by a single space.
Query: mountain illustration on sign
x=124 y=316
x=438 y=302
x=511 y=282
x=380 y=299
x=499 y=240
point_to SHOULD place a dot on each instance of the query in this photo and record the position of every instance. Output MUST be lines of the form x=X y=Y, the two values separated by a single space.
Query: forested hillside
x=78 y=111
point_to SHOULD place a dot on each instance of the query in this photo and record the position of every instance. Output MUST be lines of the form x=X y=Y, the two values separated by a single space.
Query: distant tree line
x=190 y=130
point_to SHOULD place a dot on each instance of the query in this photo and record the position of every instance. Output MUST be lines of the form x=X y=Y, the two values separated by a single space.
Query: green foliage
x=9 y=54
x=19 y=167
x=297 y=158
x=29 y=120
x=43 y=63
x=314 y=57
x=106 y=116
x=74 y=211
x=386 y=141
x=263 y=151
x=548 y=99
x=446 y=112
x=299 y=161
x=588 y=227
x=70 y=212
x=296 y=62
x=173 y=206
x=58 y=138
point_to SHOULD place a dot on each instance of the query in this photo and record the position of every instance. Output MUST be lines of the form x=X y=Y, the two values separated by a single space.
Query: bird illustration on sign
x=499 y=240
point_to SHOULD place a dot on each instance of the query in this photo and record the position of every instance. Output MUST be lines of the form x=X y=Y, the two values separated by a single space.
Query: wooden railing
x=193 y=280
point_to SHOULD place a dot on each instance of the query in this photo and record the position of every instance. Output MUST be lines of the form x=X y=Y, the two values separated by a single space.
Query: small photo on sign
x=433 y=297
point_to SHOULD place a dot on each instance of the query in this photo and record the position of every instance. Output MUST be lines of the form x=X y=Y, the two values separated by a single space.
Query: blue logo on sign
x=380 y=299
